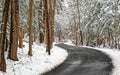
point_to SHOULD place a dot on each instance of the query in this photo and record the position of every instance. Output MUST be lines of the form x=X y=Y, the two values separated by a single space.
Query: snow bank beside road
x=39 y=63
x=115 y=55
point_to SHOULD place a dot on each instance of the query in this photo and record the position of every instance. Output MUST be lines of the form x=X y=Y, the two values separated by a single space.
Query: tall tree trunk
x=34 y=28
x=79 y=26
x=50 y=20
x=2 y=41
x=75 y=31
x=30 y=27
x=14 y=30
x=2 y=58
x=49 y=12
x=46 y=24
x=52 y=5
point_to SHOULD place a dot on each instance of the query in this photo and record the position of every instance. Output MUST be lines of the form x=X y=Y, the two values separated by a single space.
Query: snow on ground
x=115 y=55
x=38 y=64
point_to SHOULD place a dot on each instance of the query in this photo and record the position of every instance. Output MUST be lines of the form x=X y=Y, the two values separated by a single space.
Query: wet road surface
x=83 y=61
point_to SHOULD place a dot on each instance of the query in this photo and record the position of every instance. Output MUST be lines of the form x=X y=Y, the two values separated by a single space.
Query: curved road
x=83 y=61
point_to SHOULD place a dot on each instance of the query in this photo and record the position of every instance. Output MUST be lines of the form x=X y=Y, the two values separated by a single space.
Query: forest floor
x=83 y=61
x=37 y=64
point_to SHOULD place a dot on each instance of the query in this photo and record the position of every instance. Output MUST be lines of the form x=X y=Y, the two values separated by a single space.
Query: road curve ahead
x=83 y=61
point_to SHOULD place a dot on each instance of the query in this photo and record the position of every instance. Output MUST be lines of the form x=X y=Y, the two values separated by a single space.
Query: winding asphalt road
x=83 y=61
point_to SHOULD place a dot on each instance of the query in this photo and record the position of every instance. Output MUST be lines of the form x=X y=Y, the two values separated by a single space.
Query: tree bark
x=30 y=26
x=52 y=5
x=46 y=24
x=14 y=30
x=3 y=35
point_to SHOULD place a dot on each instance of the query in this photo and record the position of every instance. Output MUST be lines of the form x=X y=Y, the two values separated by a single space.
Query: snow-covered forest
x=30 y=28
x=93 y=22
